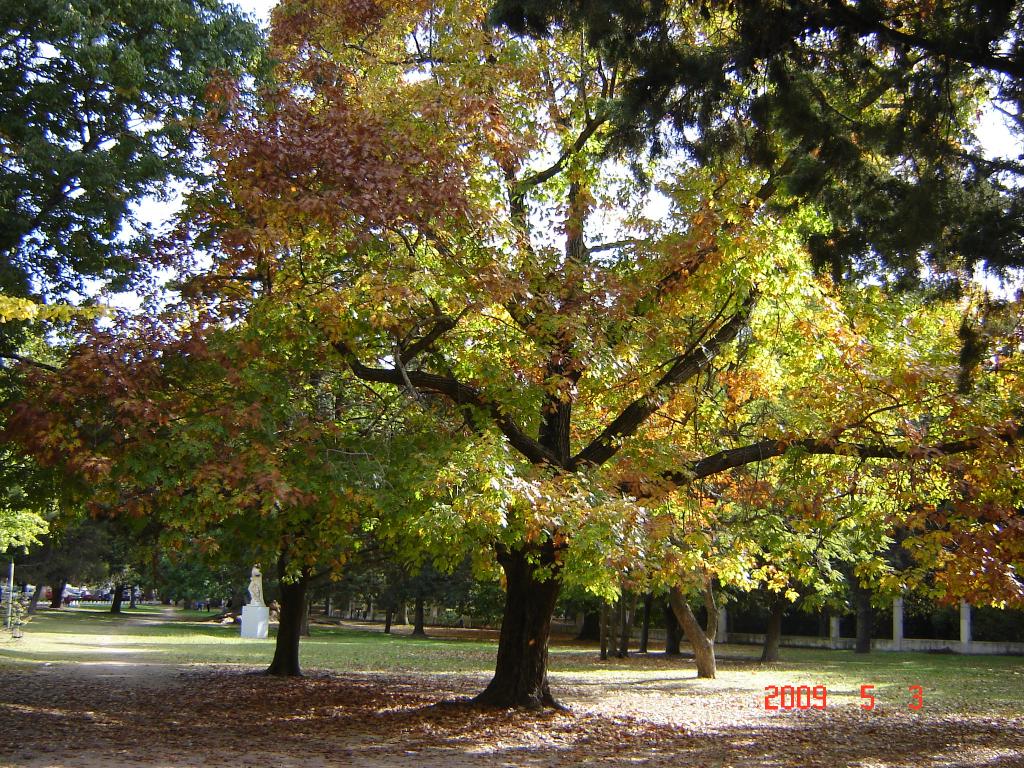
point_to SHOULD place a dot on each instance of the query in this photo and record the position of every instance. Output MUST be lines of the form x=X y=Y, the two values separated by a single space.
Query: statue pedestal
x=255 y=621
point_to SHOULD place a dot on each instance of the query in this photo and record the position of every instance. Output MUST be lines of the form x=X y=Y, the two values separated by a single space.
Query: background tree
x=73 y=552
x=902 y=186
x=222 y=440
x=100 y=103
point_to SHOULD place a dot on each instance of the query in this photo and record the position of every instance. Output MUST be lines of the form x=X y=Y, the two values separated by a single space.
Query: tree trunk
x=132 y=603
x=34 y=600
x=418 y=628
x=304 y=629
x=521 y=672
x=387 y=620
x=773 y=633
x=865 y=618
x=673 y=632
x=57 y=594
x=591 y=629
x=603 y=630
x=289 y=627
x=115 y=603
x=645 y=627
x=613 y=627
x=702 y=641
x=626 y=607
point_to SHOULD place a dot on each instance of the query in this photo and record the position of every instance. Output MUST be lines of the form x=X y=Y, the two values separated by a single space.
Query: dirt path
x=130 y=712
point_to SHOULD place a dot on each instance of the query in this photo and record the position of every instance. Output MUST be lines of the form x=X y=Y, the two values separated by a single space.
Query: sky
x=258 y=8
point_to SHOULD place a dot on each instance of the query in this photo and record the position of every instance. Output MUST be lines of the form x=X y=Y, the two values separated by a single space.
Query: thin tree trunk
x=387 y=620
x=57 y=594
x=645 y=627
x=702 y=641
x=521 y=674
x=34 y=600
x=132 y=603
x=289 y=627
x=773 y=633
x=418 y=628
x=627 y=607
x=865 y=617
x=604 y=630
x=673 y=632
x=115 y=603
x=304 y=629
x=613 y=627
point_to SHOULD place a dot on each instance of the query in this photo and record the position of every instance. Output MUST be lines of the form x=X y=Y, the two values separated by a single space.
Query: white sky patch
x=260 y=9
x=996 y=137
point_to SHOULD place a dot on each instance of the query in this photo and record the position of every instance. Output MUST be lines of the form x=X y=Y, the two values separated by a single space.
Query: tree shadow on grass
x=204 y=717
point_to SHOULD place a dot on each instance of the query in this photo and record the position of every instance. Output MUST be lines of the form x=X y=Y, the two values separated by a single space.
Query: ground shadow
x=204 y=717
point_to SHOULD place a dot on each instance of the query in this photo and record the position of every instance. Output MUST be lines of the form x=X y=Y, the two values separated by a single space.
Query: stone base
x=255 y=621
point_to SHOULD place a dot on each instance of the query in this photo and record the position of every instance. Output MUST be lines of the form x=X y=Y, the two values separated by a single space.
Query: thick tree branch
x=442 y=324
x=959 y=50
x=29 y=361
x=685 y=367
x=768 y=449
x=457 y=392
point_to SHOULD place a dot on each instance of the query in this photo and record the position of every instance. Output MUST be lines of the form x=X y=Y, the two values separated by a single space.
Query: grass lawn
x=951 y=683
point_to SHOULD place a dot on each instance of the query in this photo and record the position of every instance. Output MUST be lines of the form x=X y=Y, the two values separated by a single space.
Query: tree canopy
x=875 y=104
x=99 y=105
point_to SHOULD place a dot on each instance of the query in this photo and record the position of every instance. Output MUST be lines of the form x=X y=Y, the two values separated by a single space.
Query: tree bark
x=289 y=628
x=604 y=630
x=418 y=629
x=645 y=627
x=132 y=603
x=387 y=620
x=521 y=674
x=34 y=600
x=627 y=604
x=673 y=632
x=115 y=602
x=57 y=594
x=865 y=617
x=702 y=641
x=591 y=629
x=773 y=633
x=304 y=629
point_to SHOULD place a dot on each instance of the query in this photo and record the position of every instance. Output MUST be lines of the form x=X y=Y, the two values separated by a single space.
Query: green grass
x=961 y=684
x=145 y=634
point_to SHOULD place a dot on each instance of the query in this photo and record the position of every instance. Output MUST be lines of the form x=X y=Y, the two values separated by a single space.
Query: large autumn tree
x=436 y=200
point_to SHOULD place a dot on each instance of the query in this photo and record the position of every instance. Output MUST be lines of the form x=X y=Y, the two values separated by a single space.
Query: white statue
x=256 y=588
